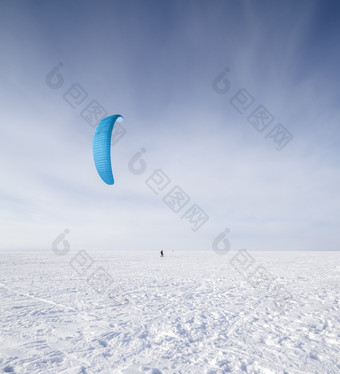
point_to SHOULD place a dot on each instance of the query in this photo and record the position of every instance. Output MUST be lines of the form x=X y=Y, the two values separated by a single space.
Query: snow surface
x=190 y=312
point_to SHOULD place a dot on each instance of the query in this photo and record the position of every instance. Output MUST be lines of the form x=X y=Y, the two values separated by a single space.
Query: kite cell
x=102 y=148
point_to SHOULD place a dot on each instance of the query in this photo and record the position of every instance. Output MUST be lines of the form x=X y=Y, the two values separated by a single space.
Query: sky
x=231 y=105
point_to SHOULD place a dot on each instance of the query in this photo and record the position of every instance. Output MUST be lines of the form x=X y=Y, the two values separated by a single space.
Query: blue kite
x=102 y=148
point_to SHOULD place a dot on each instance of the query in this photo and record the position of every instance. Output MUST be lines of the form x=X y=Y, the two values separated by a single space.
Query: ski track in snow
x=187 y=313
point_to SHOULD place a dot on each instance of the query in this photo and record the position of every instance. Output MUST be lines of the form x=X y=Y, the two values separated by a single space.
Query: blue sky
x=155 y=62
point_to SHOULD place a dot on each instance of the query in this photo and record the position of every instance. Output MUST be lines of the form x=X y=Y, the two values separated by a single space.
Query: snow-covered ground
x=190 y=312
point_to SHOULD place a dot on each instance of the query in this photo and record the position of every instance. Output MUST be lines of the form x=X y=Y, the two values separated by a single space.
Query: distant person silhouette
x=162 y=254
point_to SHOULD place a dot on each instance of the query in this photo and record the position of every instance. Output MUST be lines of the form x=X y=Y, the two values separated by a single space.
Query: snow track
x=187 y=313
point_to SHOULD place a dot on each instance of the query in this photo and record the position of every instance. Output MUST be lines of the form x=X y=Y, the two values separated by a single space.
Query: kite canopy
x=102 y=148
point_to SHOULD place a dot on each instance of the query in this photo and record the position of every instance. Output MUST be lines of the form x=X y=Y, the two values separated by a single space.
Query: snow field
x=188 y=313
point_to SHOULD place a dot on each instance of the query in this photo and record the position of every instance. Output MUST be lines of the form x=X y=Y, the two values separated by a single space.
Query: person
x=162 y=254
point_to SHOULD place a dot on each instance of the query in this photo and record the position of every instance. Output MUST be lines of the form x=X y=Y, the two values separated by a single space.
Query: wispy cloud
x=154 y=63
